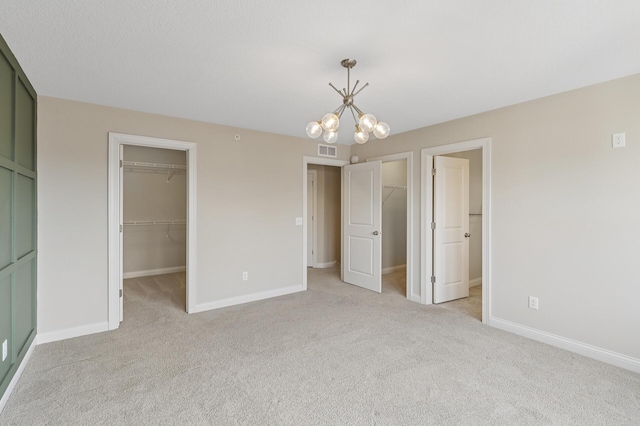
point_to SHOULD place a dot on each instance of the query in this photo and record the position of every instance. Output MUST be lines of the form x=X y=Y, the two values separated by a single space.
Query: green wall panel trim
x=18 y=106
x=8 y=164
x=16 y=364
x=18 y=264
x=8 y=54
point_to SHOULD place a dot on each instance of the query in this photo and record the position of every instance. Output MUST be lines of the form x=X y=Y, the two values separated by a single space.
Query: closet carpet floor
x=333 y=355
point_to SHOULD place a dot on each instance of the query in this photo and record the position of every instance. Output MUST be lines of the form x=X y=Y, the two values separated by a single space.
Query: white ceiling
x=266 y=65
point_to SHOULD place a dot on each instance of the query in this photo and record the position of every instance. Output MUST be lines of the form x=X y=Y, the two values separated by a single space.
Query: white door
x=362 y=222
x=451 y=233
x=311 y=224
x=121 y=190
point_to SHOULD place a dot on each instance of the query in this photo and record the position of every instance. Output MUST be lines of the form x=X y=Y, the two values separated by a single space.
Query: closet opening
x=394 y=227
x=152 y=224
x=154 y=235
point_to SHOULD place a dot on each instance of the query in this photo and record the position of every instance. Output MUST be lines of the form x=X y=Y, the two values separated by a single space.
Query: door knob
x=375 y=232
x=467 y=235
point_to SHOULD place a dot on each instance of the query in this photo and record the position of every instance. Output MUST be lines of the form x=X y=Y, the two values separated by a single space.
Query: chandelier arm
x=340 y=110
x=354 y=115
x=334 y=88
x=357 y=109
x=361 y=89
x=354 y=87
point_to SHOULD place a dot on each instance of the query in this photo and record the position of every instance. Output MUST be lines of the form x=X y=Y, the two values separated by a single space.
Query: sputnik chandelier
x=365 y=123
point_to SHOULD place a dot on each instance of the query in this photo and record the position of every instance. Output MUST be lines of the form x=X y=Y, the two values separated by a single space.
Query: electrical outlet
x=618 y=140
x=245 y=276
x=298 y=221
x=533 y=302
x=5 y=350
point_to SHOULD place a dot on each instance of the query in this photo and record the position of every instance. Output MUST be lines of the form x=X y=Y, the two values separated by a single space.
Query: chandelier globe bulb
x=360 y=136
x=367 y=122
x=314 y=129
x=381 y=130
x=330 y=122
x=330 y=136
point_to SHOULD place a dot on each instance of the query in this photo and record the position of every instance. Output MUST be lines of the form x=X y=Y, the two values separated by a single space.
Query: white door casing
x=451 y=233
x=311 y=217
x=362 y=223
x=121 y=239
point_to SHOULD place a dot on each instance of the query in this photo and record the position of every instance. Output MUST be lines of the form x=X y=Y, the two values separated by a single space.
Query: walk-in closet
x=154 y=198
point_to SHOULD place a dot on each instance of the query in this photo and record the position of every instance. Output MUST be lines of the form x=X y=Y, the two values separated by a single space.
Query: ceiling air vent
x=328 y=151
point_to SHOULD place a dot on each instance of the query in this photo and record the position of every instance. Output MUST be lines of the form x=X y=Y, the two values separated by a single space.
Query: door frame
x=322 y=162
x=408 y=157
x=314 y=228
x=426 y=216
x=116 y=140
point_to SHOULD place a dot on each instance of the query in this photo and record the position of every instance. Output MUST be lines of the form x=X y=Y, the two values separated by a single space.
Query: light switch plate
x=298 y=221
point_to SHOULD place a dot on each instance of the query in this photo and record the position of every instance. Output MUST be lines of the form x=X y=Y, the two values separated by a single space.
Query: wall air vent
x=328 y=151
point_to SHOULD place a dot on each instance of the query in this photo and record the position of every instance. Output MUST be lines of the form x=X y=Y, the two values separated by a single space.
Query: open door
x=451 y=233
x=362 y=222
x=121 y=240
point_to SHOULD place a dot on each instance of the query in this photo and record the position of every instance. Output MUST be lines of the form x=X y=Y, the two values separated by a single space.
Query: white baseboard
x=69 y=333
x=232 y=301
x=474 y=282
x=16 y=377
x=325 y=265
x=150 y=272
x=391 y=269
x=585 y=349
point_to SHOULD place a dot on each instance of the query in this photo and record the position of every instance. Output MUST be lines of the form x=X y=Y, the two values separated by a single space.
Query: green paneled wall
x=17 y=214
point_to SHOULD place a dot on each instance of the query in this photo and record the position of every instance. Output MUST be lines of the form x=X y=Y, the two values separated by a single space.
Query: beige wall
x=565 y=209
x=329 y=208
x=249 y=194
x=153 y=195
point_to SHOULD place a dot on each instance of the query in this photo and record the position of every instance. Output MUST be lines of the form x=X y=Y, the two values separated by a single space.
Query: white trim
x=18 y=373
x=426 y=211
x=475 y=282
x=115 y=254
x=314 y=231
x=151 y=272
x=391 y=269
x=408 y=157
x=325 y=264
x=70 y=333
x=585 y=349
x=233 y=301
x=305 y=161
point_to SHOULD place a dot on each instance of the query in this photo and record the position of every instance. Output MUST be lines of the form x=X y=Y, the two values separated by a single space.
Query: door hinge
x=120 y=163
x=120 y=228
x=433 y=225
x=433 y=279
x=120 y=292
x=433 y=172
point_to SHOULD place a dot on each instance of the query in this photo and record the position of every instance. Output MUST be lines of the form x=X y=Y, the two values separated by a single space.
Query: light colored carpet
x=335 y=354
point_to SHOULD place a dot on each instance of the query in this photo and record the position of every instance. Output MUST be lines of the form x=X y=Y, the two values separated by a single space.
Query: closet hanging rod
x=141 y=164
x=394 y=187
x=154 y=222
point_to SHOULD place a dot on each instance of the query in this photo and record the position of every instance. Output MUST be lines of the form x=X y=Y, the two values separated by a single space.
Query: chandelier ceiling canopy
x=364 y=123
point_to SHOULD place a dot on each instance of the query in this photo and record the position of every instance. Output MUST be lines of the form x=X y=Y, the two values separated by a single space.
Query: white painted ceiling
x=266 y=65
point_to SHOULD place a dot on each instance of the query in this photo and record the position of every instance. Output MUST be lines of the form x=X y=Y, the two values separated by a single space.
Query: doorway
x=478 y=214
x=328 y=259
x=117 y=142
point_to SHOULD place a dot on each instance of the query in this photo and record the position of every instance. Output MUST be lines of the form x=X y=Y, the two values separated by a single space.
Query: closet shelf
x=154 y=222
x=142 y=165
x=394 y=187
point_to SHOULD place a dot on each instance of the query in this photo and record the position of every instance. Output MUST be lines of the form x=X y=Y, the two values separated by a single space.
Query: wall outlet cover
x=618 y=140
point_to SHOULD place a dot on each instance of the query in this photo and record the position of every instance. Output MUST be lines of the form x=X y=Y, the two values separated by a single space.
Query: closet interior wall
x=394 y=215
x=329 y=214
x=154 y=211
